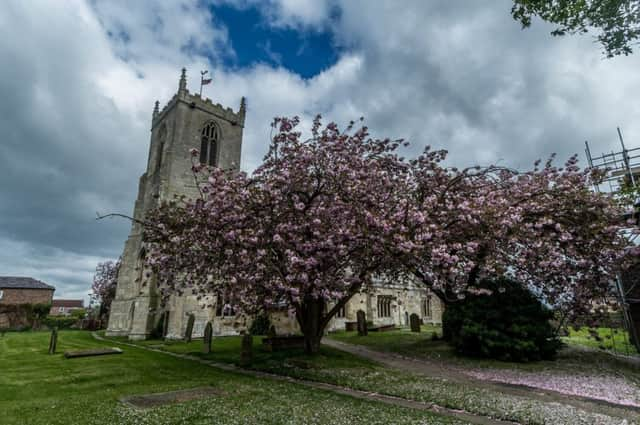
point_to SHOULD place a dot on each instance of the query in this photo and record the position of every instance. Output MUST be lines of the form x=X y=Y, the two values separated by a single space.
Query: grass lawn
x=421 y=345
x=337 y=367
x=37 y=388
x=615 y=340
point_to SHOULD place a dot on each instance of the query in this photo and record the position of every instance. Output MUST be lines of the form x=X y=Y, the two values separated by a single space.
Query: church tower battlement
x=187 y=121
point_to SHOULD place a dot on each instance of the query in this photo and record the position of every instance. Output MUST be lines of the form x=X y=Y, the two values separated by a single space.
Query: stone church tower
x=187 y=121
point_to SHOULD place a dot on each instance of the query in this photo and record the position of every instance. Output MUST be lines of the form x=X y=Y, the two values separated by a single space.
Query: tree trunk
x=310 y=319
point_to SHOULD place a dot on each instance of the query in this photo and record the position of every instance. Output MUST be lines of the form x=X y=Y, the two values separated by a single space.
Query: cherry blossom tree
x=321 y=217
x=103 y=289
x=544 y=228
x=308 y=229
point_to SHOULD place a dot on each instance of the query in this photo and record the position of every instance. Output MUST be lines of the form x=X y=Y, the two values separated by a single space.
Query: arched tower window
x=162 y=135
x=209 y=144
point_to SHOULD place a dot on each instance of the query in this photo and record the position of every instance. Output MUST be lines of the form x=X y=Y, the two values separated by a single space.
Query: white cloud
x=78 y=93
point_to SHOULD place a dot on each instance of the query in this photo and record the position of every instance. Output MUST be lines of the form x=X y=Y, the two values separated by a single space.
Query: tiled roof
x=13 y=282
x=67 y=303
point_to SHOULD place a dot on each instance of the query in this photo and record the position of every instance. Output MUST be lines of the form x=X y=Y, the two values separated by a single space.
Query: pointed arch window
x=209 y=144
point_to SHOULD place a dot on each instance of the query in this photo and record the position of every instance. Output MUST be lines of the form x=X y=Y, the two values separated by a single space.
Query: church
x=190 y=121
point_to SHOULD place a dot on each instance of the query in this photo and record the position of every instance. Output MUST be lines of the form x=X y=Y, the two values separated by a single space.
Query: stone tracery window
x=384 y=306
x=426 y=307
x=209 y=144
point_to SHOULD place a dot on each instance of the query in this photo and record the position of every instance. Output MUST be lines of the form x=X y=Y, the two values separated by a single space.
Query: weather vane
x=204 y=81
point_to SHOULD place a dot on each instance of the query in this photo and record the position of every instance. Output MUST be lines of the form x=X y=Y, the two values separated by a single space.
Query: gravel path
x=456 y=374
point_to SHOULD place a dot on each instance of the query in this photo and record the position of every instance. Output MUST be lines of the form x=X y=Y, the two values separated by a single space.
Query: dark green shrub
x=511 y=324
x=260 y=325
x=37 y=313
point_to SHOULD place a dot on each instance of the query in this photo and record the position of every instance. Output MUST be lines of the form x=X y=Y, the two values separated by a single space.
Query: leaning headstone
x=414 y=320
x=53 y=341
x=189 y=331
x=246 y=350
x=362 y=323
x=208 y=333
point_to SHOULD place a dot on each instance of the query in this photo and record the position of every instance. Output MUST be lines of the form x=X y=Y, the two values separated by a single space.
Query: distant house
x=24 y=290
x=65 y=307
x=15 y=293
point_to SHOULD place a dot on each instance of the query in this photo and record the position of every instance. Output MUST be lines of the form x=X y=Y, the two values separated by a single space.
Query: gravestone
x=92 y=352
x=246 y=350
x=362 y=323
x=272 y=332
x=414 y=320
x=189 y=331
x=53 y=341
x=165 y=324
x=208 y=333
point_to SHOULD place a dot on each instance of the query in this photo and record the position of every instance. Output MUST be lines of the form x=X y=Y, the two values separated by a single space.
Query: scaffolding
x=619 y=170
x=622 y=167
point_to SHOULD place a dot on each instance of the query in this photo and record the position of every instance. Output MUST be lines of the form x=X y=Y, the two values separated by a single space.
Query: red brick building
x=15 y=293
x=24 y=290
x=65 y=307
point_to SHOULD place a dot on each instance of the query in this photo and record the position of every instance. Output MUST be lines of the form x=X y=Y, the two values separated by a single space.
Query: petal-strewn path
x=507 y=382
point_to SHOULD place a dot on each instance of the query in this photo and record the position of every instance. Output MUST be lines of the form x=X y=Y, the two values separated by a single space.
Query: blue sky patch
x=305 y=53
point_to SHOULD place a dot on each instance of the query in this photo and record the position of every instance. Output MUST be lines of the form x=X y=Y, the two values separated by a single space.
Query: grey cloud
x=75 y=103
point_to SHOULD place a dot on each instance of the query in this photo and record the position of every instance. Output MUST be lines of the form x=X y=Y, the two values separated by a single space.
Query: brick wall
x=26 y=296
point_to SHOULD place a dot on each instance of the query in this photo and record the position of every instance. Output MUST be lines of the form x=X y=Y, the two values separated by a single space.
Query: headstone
x=246 y=350
x=53 y=341
x=92 y=352
x=414 y=320
x=165 y=324
x=362 y=323
x=189 y=331
x=272 y=332
x=208 y=333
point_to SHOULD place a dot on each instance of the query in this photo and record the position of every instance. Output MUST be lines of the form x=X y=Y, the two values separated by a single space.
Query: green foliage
x=36 y=314
x=40 y=311
x=79 y=313
x=260 y=325
x=61 y=322
x=617 y=22
x=510 y=324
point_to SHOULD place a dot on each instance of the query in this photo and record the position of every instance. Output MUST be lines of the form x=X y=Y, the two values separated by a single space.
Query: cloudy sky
x=79 y=78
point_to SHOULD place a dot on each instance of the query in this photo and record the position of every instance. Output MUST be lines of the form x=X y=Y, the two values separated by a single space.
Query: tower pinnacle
x=182 y=87
x=156 y=109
